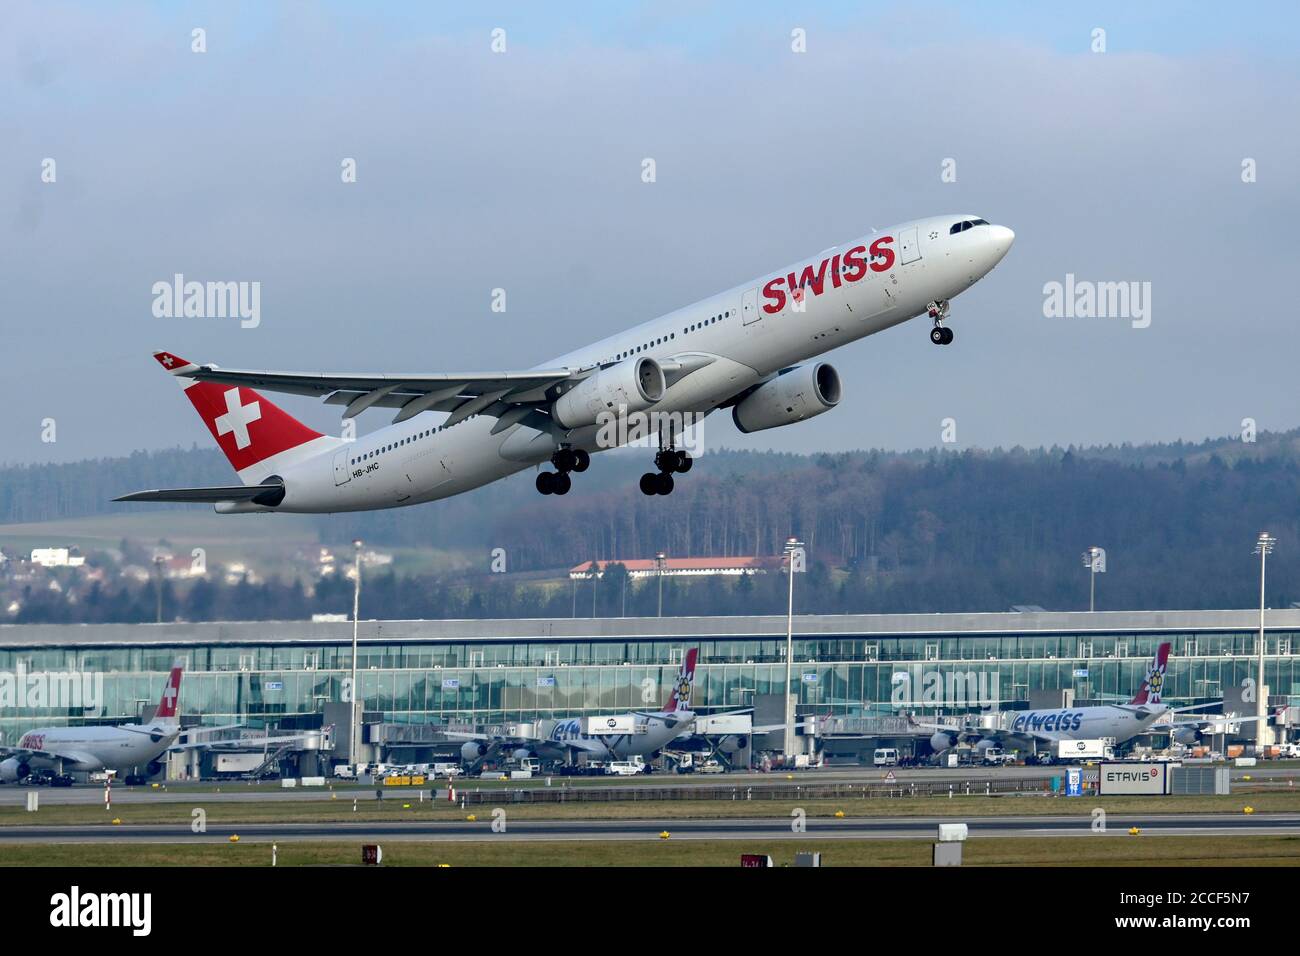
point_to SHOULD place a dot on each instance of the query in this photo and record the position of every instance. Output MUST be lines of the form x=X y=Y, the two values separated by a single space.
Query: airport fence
x=902 y=790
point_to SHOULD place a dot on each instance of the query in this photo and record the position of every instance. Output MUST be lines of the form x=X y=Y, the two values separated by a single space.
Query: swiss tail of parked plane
x=1153 y=686
x=680 y=698
x=169 y=706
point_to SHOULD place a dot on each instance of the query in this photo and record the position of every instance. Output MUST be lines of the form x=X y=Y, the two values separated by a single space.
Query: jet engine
x=795 y=394
x=1187 y=736
x=521 y=753
x=630 y=386
x=473 y=750
x=941 y=741
x=13 y=770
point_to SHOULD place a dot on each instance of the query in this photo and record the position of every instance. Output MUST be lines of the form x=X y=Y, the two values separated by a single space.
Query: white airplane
x=1025 y=729
x=118 y=748
x=123 y=747
x=653 y=731
x=740 y=349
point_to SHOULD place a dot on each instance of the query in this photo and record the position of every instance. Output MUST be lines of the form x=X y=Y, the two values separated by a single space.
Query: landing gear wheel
x=663 y=484
x=580 y=460
x=937 y=336
x=649 y=483
x=947 y=335
x=564 y=460
x=546 y=482
x=684 y=462
x=562 y=484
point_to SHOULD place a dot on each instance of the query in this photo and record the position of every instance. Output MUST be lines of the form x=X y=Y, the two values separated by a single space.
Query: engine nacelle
x=940 y=741
x=13 y=770
x=1187 y=736
x=801 y=392
x=522 y=753
x=633 y=386
x=472 y=750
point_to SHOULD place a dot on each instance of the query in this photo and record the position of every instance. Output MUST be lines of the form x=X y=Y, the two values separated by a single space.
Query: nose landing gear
x=940 y=334
x=565 y=460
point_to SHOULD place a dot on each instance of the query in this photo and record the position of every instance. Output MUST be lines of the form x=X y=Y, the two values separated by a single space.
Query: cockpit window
x=966 y=224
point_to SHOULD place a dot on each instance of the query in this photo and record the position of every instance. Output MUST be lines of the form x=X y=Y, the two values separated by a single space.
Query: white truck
x=626 y=768
x=997 y=757
x=1098 y=748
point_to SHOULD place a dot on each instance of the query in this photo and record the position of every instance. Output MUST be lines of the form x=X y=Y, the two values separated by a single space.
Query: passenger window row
x=671 y=336
x=405 y=441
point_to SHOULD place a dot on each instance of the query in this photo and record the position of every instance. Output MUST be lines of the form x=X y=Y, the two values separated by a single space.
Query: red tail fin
x=680 y=698
x=247 y=427
x=168 y=707
x=1154 y=685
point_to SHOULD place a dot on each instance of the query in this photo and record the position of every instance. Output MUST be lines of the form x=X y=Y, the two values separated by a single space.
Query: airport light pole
x=1094 y=559
x=793 y=553
x=659 y=573
x=1263 y=735
x=356 y=610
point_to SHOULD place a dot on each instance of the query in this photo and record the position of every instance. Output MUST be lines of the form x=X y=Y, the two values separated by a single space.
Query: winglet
x=172 y=363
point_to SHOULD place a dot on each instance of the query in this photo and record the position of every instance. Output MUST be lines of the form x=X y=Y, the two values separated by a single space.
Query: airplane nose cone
x=1000 y=240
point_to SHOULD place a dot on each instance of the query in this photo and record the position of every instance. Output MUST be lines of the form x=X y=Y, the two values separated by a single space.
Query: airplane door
x=908 y=249
x=342 y=470
x=749 y=307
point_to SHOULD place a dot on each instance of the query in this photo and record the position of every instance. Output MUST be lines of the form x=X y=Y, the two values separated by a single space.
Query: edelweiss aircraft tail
x=1149 y=692
x=258 y=438
x=169 y=706
x=680 y=698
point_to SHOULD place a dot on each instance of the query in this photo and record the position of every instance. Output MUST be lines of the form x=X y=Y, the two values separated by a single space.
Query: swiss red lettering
x=774 y=292
x=855 y=266
x=880 y=250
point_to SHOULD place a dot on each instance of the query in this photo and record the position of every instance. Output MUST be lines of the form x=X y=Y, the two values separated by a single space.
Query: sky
x=522 y=170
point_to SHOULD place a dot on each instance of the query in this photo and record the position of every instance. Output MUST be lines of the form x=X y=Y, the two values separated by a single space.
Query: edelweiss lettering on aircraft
x=1027 y=729
x=746 y=349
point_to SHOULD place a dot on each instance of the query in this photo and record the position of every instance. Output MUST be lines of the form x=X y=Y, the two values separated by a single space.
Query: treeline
x=921 y=531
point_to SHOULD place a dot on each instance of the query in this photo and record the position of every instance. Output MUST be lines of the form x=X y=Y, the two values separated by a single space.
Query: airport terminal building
x=493 y=672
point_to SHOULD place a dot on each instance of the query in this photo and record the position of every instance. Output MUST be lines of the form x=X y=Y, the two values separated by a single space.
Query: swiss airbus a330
x=747 y=349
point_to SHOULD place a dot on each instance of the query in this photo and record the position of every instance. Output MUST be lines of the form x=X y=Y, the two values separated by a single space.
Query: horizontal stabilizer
x=270 y=495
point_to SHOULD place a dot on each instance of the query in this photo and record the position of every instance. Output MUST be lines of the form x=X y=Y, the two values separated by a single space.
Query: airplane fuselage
x=1082 y=723
x=96 y=748
x=653 y=732
x=747 y=334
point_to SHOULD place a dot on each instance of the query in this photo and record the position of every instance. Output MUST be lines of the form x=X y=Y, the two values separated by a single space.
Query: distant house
x=681 y=567
x=56 y=558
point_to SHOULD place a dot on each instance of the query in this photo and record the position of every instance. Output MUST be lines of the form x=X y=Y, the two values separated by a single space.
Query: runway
x=821 y=828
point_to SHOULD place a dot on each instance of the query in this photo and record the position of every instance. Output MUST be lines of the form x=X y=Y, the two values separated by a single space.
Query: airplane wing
x=513 y=397
x=72 y=756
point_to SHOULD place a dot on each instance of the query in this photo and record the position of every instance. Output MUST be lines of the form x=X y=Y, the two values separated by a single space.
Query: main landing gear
x=940 y=334
x=565 y=460
x=667 y=461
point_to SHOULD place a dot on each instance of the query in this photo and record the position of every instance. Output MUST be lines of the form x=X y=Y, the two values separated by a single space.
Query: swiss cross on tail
x=248 y=428
x=680 y=699
x=171 y=694
x=1154 y=685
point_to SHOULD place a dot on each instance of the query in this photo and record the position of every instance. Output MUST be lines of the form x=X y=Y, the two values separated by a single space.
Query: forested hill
x=971 y=529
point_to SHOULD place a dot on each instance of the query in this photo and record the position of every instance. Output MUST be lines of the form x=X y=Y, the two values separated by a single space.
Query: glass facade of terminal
x=489 y=681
